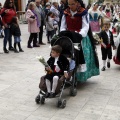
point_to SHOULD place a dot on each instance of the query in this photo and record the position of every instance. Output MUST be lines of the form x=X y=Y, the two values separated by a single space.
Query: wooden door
x=18 y=5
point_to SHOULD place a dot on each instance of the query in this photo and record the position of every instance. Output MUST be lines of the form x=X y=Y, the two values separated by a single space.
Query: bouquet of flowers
x=42 y=60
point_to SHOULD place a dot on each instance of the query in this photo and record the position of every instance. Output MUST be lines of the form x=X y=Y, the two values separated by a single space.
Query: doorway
x=18 y=5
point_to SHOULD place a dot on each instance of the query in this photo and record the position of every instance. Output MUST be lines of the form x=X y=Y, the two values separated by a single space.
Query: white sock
x=55 y=82
x=108 y=60
x=104 y=62
x=48 y=85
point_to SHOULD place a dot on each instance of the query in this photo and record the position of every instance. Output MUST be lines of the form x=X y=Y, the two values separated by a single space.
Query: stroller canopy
x=66 y=44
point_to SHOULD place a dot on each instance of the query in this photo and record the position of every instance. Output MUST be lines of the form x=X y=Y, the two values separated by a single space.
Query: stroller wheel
x=42 y=101
x=59 y=103
x=73 y=91
x=63 y=103
x=37 y=99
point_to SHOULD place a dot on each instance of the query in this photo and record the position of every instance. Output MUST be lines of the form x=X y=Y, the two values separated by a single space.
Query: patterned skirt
x=92 y=70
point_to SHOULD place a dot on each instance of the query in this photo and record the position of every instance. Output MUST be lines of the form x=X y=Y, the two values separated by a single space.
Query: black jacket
x=15 y=30
x=62 y=62
x=105 y=38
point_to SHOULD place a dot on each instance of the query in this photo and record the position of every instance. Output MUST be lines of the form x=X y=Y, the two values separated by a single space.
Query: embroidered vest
x=74 y=23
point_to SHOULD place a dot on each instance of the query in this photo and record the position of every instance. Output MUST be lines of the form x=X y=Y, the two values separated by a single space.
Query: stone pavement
x=97 y=99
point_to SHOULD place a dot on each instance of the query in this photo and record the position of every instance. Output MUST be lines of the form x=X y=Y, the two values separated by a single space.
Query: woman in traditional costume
x=95 y=17
x=76 y=19
x=116 y=58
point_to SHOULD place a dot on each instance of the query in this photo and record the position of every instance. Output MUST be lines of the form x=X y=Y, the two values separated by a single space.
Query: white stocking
x=48 y=85
x=55 y=82
x=104 y=62
x=108 y=60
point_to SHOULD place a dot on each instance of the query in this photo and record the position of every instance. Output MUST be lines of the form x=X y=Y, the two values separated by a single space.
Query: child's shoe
x=16 y=51
x=21 y=50
x=11 y=48
x=47 y=94
x=52 y=95
x=103 y=69
x=108 y=64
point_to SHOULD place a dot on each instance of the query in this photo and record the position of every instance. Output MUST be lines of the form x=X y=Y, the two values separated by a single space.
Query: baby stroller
x=68 y=48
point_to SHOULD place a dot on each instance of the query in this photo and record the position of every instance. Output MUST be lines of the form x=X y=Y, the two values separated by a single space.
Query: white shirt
x=108 y=33
x=56 y=59
x=57 y=69
x=85 y=24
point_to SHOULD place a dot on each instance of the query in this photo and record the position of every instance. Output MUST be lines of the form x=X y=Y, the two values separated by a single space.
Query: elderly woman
x=33 y=25
x=7 y=13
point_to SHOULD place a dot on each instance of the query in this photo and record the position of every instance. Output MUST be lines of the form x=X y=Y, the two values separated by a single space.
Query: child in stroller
x=67 y=66
x=60 y=66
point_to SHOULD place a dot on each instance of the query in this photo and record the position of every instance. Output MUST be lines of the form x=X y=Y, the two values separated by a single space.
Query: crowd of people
x=102 y=18
x=71 y=15
x=10 y=25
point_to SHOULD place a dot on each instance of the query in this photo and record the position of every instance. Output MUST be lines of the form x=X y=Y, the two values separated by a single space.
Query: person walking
x=33 y=25
x=106 y=37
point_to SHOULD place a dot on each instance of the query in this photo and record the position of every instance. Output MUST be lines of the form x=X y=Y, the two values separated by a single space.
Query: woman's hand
x=6 y=11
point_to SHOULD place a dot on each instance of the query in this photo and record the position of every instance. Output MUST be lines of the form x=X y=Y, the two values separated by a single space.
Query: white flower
x=39 y=57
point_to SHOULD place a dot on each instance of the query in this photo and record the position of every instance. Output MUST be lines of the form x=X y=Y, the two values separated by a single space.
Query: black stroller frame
x=61 y=103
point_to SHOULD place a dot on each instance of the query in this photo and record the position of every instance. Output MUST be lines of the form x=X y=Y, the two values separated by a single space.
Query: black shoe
x=2 y=36
x=36 y=45
x=16 y=51
x=103 y=69
x=6 y=51
x=49 y=42
x=47 y=95
x=108 y=64
x=11 y=49
x=42 y=43
x=29 y=46
x=21 y=50
x=52 y=95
